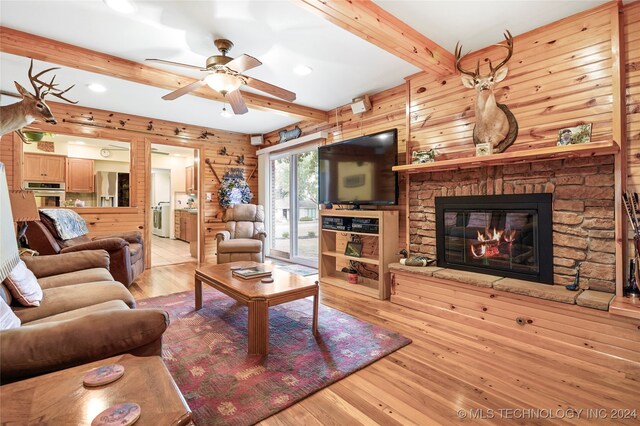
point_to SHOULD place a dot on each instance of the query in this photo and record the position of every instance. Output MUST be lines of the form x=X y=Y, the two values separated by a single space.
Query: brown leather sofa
x=244 y=236
x=126 y=251
x=84 y=316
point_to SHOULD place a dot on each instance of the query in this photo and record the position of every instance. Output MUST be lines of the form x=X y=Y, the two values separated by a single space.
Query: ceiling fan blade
x=276 y=91
x=243 y=63
x=184 y=90
x=177 y=64
x=237 y=103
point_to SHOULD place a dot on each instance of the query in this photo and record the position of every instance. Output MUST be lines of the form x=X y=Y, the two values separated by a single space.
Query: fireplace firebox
x=504 y=235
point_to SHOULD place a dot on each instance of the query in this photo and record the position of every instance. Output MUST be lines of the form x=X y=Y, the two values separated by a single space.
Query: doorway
x=173 y=205
x=294 y=207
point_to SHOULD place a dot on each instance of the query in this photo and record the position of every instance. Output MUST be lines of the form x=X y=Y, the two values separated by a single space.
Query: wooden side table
x=61 y=398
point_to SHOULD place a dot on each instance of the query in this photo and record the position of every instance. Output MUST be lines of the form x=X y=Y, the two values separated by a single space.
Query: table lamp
x=8 y=248
x=23 y=206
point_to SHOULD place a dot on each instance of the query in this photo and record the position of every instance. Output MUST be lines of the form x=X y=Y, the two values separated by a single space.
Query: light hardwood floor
x=448 y=367
x=165 y=251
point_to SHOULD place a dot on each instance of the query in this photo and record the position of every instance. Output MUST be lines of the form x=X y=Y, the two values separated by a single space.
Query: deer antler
x=459 y=68
x=509 y=46
x=50 y=88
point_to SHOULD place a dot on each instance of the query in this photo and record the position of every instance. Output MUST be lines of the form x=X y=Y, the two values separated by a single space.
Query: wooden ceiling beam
x=370 y=22
x=44 y=49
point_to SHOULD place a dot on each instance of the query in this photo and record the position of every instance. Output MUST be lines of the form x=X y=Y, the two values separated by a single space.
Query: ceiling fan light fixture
x=122 y=6
x=222 y=82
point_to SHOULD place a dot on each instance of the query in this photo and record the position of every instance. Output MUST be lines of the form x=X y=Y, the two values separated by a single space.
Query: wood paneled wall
x=632 y=61
x=388 y=112
x=559 y=76
x=141 y=132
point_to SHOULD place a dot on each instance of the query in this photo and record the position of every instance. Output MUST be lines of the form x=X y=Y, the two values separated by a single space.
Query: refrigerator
x=112 y=189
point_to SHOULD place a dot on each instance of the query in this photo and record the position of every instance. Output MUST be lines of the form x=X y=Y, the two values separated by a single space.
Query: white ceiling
x=278 y=33
x=477 y=24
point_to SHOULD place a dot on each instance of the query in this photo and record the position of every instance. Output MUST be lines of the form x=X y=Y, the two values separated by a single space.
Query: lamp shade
x=223 y=83
x=8 y=246
x=23 y=206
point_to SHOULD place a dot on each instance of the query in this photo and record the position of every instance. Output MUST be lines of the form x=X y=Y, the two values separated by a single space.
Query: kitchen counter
x=193 y=211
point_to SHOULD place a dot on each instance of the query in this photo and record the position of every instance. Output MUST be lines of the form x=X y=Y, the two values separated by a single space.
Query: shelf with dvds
x=376 y=240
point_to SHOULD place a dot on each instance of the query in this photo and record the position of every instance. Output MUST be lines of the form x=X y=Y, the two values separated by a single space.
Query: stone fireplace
x=504 y=235
x=582 y=190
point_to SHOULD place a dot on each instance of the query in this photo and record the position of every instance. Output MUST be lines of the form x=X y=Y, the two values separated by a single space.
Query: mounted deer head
x=32 y=107
x=495 y=124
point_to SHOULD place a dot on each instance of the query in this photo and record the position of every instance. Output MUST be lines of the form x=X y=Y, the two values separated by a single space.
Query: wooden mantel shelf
x=532 y=155
x=623 y=306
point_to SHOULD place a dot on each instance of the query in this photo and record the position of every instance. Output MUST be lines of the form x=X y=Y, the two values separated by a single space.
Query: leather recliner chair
x=244 y=236
x=126 y=251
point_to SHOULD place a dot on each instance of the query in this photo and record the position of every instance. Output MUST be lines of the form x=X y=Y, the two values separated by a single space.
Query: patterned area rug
x=299 y=270
x=206 y=353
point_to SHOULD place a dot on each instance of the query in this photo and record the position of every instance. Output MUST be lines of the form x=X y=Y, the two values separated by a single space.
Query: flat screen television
x=358 y=171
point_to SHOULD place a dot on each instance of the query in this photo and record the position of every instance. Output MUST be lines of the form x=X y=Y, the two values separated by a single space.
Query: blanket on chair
x=68 y=223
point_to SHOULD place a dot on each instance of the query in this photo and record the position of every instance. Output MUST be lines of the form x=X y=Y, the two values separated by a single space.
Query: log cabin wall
x=141 y=132
x=631 y=19
x=559 y=76
x=388 y=111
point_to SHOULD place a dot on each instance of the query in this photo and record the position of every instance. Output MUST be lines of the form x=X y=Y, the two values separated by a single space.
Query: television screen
x=358 y=171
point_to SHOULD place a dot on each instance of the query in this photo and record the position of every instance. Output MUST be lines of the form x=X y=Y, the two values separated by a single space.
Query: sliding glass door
x=294 y=207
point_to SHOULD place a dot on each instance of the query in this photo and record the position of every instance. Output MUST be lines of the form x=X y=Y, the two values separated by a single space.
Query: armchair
x=126 y=250
x=244 y=236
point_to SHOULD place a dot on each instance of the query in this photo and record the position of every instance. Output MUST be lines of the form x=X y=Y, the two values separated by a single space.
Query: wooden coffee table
x=258 y=296
x=60 y=398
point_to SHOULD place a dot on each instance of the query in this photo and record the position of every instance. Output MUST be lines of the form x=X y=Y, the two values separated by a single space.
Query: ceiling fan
x=224 y=76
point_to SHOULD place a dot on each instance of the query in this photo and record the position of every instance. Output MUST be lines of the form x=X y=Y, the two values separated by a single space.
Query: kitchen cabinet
x=191 y=181
x=186 y=225
x=44 y=168
x=80 y=175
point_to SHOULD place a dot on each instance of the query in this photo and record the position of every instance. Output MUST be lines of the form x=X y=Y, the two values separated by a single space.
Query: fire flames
x=489 y=242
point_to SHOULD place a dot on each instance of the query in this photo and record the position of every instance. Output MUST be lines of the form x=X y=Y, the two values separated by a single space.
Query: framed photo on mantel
x=574 y=135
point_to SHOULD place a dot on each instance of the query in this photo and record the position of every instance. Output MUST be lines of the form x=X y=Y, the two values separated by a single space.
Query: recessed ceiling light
x=122 y=6
x=96 y=87
x=77 y=142
x=302 y=70
x=226 y=113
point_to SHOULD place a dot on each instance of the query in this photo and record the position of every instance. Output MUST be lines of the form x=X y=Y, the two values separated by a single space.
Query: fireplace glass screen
x=503 y=235
x=497 y=239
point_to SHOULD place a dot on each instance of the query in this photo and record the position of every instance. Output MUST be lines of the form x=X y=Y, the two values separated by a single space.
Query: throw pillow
x=24 y=286
x=7 y=318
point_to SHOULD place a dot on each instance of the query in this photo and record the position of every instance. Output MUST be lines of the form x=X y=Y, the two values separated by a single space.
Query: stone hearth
x=583 y=210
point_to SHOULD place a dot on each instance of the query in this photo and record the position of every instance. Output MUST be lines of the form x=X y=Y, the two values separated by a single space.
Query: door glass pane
x=280 y=206
x=306 y=245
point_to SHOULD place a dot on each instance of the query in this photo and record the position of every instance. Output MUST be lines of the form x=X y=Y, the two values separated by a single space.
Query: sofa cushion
x=240 y=245
x=78 y=277
x=45 y=266
x=8 y=319
x=24 y=286
x=112 y=305
x=67 y=298
x=136 y=251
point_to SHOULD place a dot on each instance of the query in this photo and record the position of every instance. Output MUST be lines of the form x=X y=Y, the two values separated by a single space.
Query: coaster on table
x=122 y=415
x=103 y=375
x=235 y=268
x=267 y=280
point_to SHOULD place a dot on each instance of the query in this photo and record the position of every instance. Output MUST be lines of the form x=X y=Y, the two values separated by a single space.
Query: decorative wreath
x=234 y=189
